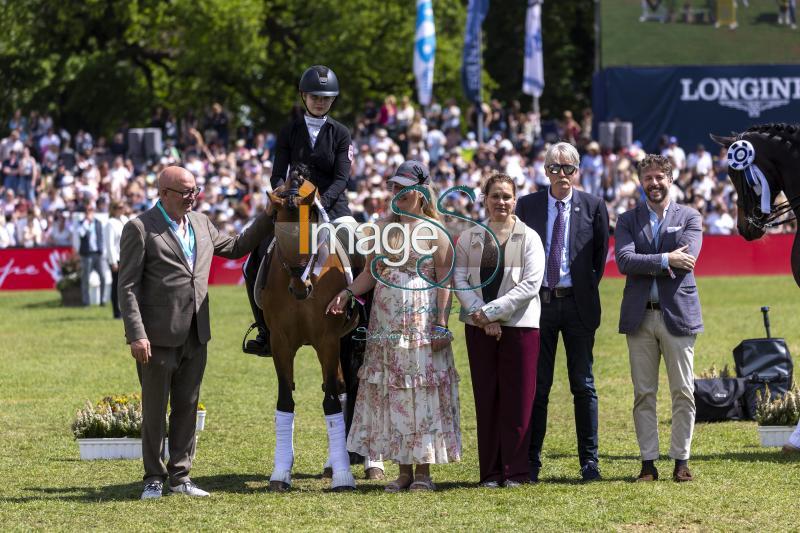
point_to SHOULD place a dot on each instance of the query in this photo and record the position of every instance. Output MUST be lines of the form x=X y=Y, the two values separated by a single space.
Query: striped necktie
x=556 y=248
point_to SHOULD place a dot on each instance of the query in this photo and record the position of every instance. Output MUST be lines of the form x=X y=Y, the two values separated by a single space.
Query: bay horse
x=296 y=317
x=769 y=164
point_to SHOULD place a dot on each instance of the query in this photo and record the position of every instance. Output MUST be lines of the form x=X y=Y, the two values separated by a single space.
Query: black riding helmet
x=319 y=80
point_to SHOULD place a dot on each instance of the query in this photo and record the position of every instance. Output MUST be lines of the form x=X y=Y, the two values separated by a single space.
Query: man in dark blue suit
x=574 y=227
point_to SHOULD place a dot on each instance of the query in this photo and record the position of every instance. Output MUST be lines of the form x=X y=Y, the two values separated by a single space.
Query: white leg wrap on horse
x=337 y=451
x=343 y=401
x=284 y=447
x=373 y=463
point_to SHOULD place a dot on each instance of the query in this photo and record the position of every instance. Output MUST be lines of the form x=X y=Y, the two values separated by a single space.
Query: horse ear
x=275 y=199
x=307 y=200
x=723 y=141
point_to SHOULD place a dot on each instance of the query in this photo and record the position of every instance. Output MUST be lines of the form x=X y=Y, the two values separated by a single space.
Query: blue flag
x=471 y=59
x=424 y=51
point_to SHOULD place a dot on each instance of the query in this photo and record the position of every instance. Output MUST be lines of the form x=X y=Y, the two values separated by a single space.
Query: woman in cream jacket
x=499 y=295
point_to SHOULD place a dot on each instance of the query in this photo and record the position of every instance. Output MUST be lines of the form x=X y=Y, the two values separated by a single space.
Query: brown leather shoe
x=788 y=448
x=649 y=474
x=682 y=473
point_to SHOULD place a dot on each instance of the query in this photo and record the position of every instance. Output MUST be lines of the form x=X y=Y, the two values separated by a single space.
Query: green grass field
x=53 y=359
x=759 y=39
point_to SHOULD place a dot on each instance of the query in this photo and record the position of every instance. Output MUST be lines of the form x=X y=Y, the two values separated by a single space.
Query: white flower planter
x=201 y=420
x=118 y=448
x=775 y=435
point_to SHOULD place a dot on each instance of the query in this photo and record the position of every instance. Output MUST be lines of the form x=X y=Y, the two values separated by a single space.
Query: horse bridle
x=296 y=271
x=762 y=222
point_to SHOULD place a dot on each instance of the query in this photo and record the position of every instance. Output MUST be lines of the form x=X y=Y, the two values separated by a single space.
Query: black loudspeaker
x=145 y=144
x=764 y=363
x=614 y=135
x=153 y=147
x=135 y=146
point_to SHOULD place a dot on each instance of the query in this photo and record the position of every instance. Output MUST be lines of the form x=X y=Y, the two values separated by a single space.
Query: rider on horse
x=323 y=145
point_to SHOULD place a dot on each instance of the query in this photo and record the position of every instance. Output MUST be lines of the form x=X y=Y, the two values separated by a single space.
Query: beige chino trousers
x=645 y=348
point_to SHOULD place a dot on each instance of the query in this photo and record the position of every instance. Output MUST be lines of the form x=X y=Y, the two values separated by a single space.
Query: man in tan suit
x=165 y=259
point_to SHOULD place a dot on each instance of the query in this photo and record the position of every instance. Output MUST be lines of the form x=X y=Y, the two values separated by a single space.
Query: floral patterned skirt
x=407 y=408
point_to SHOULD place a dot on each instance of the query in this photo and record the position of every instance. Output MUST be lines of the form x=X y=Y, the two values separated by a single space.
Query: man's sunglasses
x=188 y=193
x=555 y=168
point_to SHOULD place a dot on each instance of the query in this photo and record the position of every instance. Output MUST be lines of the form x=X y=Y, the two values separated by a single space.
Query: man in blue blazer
x=573 y=226
x=657 y=244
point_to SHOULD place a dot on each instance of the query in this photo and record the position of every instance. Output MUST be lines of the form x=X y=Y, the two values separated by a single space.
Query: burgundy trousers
x=504 y=386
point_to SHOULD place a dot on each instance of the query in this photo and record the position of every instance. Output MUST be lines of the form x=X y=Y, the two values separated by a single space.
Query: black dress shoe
x=590 y=471
x=260 y=345
x=534 y=474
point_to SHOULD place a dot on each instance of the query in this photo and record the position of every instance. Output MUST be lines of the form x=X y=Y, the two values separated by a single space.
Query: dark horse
x=296 y=317
x=777 y=155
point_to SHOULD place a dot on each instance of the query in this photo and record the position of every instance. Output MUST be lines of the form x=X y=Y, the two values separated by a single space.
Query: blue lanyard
x=188 y=242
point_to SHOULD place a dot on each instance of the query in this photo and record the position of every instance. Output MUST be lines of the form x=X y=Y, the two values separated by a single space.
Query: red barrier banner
x=731 y=255
x=37 y=268
x=226 y=271
x=30 y=268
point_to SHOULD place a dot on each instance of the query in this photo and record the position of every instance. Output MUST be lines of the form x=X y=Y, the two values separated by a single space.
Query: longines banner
x=37 y=268
x=690 y=102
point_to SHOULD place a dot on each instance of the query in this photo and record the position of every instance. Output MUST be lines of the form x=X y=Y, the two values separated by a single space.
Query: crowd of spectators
x=50 y=175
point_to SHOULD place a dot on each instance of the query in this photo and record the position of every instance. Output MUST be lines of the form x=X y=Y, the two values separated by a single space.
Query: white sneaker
x=188 y=488
x=152 y=490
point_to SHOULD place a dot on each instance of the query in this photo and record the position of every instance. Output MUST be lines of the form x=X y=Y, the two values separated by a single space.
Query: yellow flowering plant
x=113 y=416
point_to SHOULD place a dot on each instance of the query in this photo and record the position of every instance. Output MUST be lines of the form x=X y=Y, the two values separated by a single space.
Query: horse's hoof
x=327 y=473
x=374 y=473
x=343 y=488
x=279 y=486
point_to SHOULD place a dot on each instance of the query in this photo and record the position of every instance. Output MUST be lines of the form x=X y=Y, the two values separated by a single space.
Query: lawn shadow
x=127 y=491
x=562 y=480
x=766 y=18
x=442 y=486
x=757 y=455
x=76 y=319
x=752 y=454
x=49 y=304
x=223 y=483
x=630 y=457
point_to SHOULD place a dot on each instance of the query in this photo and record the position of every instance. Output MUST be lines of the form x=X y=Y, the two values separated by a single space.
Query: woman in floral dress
x=407 y=408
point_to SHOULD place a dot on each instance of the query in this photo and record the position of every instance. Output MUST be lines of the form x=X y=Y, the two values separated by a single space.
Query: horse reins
x=779 y=210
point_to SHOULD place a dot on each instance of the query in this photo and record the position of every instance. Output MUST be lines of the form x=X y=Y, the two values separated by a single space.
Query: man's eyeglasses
x=555 y=168
x=188 y=193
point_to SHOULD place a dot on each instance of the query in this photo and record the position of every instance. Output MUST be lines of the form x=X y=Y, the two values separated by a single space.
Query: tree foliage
x=96 y=63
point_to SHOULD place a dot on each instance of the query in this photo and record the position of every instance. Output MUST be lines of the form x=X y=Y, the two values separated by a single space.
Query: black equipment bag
x=764 y=363
x=719 y=399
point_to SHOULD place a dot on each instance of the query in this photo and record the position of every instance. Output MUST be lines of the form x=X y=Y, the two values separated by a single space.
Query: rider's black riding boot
x=260 y=345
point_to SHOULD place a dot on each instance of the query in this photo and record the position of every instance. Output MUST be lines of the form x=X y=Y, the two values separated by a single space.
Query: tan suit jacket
x=159 y=293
